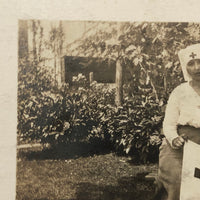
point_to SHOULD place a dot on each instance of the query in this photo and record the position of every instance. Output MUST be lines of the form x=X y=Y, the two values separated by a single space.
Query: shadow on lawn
x=128 y=188
x=70 y=151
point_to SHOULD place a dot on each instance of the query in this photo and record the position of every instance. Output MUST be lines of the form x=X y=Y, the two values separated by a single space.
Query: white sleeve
x=171 y=116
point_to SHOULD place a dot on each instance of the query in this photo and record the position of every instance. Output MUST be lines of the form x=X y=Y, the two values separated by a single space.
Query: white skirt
x=190 y=179
x=176 y=183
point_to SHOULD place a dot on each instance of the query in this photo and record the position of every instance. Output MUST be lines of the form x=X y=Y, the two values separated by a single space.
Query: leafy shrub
x=33 y=82
x=91 y=116
x=82 y=109
x=133 y=128
x=88 y=114
x=140 y=127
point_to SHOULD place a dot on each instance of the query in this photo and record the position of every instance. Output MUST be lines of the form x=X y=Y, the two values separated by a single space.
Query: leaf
x=128 y=149
x=130 y=48
x=136 y=61
x=165 y=53
x=169 y=65
x=56 y=136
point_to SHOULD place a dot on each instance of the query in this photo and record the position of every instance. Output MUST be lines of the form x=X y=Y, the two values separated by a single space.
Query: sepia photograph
x=108 y=110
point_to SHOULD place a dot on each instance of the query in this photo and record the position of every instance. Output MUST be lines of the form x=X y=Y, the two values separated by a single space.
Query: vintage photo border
x=105 y=10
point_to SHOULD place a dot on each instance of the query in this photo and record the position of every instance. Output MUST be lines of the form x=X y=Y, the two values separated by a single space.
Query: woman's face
x=193 y=69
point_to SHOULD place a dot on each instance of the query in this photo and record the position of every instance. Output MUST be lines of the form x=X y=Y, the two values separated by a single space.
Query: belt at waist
x=191 y=132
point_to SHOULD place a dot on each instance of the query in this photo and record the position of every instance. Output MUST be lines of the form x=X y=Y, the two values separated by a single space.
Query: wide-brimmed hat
x=187 y=54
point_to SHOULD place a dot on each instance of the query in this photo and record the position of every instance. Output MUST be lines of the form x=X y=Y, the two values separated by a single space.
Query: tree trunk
x=165 y=81
x=119 y=83
x=23 y=39
x=91 y=77
x=62 y=64
x=55 y=70
x=34 y=30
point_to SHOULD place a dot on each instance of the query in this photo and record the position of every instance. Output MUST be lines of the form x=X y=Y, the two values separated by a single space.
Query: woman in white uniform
x=181 y=122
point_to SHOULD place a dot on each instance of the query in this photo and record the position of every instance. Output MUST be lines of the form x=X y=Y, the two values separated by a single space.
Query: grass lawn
x=97 y=177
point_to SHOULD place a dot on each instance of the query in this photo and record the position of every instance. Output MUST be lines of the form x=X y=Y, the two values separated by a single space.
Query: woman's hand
x=179 y=141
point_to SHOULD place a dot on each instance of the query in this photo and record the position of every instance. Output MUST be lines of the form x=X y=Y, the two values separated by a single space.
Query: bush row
x=88 y=114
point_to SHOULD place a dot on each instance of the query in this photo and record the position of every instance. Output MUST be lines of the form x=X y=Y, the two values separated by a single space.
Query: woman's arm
x=171 y=119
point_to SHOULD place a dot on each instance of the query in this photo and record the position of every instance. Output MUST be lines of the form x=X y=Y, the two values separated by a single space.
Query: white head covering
x=187 y=54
